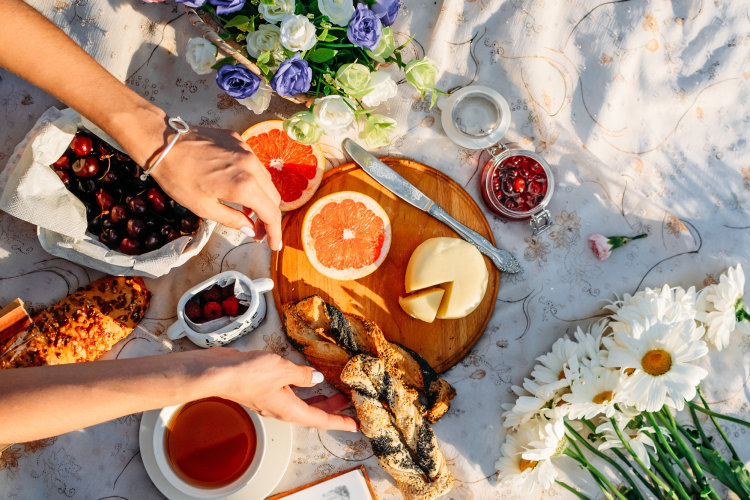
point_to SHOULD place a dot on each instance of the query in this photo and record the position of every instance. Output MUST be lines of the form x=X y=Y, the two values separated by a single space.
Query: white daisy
x=637 y=442
x=659 y=353
x=527 y=457
x=530 y=404
x=589 y=346
x=674 y=304
x=721 y=307
x=593 y=395
x=559 y=367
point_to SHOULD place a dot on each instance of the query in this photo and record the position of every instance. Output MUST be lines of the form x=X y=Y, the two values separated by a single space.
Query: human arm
x=205 y=166
x=40 y=402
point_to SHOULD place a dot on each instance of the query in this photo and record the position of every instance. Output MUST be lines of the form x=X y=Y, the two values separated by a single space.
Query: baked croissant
x=81 y=327
x=329 y=337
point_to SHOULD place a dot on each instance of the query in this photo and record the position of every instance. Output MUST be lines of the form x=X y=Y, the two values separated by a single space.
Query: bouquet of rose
x=617 y=387
x=326 y=49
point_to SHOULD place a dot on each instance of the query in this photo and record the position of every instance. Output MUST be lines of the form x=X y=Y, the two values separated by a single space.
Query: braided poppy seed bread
x=401 y=439
x=81 y=327
x=329 y=337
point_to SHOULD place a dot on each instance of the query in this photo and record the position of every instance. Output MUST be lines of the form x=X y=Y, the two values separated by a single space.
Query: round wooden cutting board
x=442 y=343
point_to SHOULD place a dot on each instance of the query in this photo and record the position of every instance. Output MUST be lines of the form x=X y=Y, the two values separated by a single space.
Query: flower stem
x=572 y=490
x=668 y=471
x=718 y=427
x=604 y=457
x=598 y=476
x=669 y=450
x=639 y=462
x=717 y=415
x=654 y=489
x=663 y=449
x=697 y=470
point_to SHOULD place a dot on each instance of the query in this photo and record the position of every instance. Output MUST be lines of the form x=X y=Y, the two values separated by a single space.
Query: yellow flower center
x=603 y=397
x=629 y=371
x=562 y=374
x=527 y=464
x=656 y=362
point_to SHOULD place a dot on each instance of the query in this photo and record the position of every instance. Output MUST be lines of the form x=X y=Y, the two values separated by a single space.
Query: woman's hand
x=207 y=165
x=263 y=382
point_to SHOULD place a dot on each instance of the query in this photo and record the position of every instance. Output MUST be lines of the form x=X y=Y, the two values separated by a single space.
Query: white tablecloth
x=641 y=107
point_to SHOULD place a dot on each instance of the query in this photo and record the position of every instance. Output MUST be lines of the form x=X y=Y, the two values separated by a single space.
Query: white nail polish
x=281 y=245
x=317 y=377
x=247 y=231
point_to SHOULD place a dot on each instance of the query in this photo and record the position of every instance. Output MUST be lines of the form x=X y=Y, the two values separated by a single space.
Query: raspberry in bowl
x=518 y=184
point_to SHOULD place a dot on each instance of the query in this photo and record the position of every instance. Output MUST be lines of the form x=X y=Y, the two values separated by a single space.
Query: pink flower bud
x=601 y=246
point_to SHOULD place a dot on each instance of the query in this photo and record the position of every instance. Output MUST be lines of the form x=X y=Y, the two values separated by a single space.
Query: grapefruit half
x=346 y=235
x=296 y=169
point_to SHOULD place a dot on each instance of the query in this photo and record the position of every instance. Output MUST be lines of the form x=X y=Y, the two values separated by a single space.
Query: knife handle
x=503 y=260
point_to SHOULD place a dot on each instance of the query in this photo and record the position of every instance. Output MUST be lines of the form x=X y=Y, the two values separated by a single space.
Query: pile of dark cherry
x=213 y=303
x=520 y=183
x=126 y=213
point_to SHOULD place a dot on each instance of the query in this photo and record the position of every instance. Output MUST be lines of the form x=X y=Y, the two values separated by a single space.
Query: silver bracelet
x=183 y=128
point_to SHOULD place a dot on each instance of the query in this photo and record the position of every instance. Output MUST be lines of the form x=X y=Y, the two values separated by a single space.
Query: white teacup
x=160 y=430
x=223 y=330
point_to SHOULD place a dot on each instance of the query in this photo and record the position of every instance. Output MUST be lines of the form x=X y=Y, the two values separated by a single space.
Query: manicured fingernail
x=281 y=245
x=248 y=231
x=317 y=377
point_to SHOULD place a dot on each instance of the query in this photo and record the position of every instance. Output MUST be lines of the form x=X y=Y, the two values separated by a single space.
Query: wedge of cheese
x=423 y=304
x=453 y=265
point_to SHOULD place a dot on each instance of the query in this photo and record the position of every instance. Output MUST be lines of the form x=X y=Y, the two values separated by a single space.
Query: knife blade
x=393 y=182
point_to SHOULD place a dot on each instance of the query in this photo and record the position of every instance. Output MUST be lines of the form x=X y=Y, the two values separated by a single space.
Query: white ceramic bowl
x=165 y=416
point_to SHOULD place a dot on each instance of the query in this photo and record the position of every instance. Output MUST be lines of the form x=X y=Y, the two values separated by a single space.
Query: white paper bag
x=31 y=191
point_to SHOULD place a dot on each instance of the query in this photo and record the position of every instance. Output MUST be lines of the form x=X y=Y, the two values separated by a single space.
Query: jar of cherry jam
x=518 y=184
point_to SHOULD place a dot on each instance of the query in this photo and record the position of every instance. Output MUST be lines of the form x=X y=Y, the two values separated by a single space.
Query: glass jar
x=514 y=187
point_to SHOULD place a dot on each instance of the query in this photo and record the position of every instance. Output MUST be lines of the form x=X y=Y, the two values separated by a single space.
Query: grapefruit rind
x=308 y=242
x=312 y=184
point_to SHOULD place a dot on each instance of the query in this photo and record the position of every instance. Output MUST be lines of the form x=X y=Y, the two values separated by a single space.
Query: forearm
x=63 y=69
x=46 y=401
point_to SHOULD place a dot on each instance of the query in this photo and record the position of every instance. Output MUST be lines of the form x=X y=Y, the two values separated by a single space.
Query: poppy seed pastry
x=329 y=337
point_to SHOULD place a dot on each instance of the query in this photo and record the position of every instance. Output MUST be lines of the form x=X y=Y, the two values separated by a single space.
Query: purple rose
x=227 y=6
x=192 y=3
x=386 y=10
x=365 y=29
x=293 y=77
x=237 y=81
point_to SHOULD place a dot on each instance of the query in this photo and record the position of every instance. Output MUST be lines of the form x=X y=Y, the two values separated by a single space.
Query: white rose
x=338 y=11
x=334 y=114
x=201 y=54
x=260 y=100
x=278 y=11
x=297 y=33
x=383 y=88
x=265 y=39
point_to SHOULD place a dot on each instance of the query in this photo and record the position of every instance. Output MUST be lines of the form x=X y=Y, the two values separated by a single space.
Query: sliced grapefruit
x=346 y=235
x=296 y=169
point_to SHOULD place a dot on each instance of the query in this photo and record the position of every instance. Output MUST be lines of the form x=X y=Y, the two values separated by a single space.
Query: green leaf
x=405 y=43
x=734 y=475
x=225 y=35
x=322 y=55
x=264 y=58
x=433 y=99
x=224 y=60
x=323 y=35
x=264 y=69
x=330 y=38
x=267 y=2
x=239 y=22
x=327 y=90
x=251 y=25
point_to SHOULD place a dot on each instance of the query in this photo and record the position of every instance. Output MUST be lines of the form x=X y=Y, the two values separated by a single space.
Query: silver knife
x=399 y=186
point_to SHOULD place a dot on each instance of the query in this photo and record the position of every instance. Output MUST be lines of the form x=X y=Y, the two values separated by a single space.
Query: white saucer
x=278 y=453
